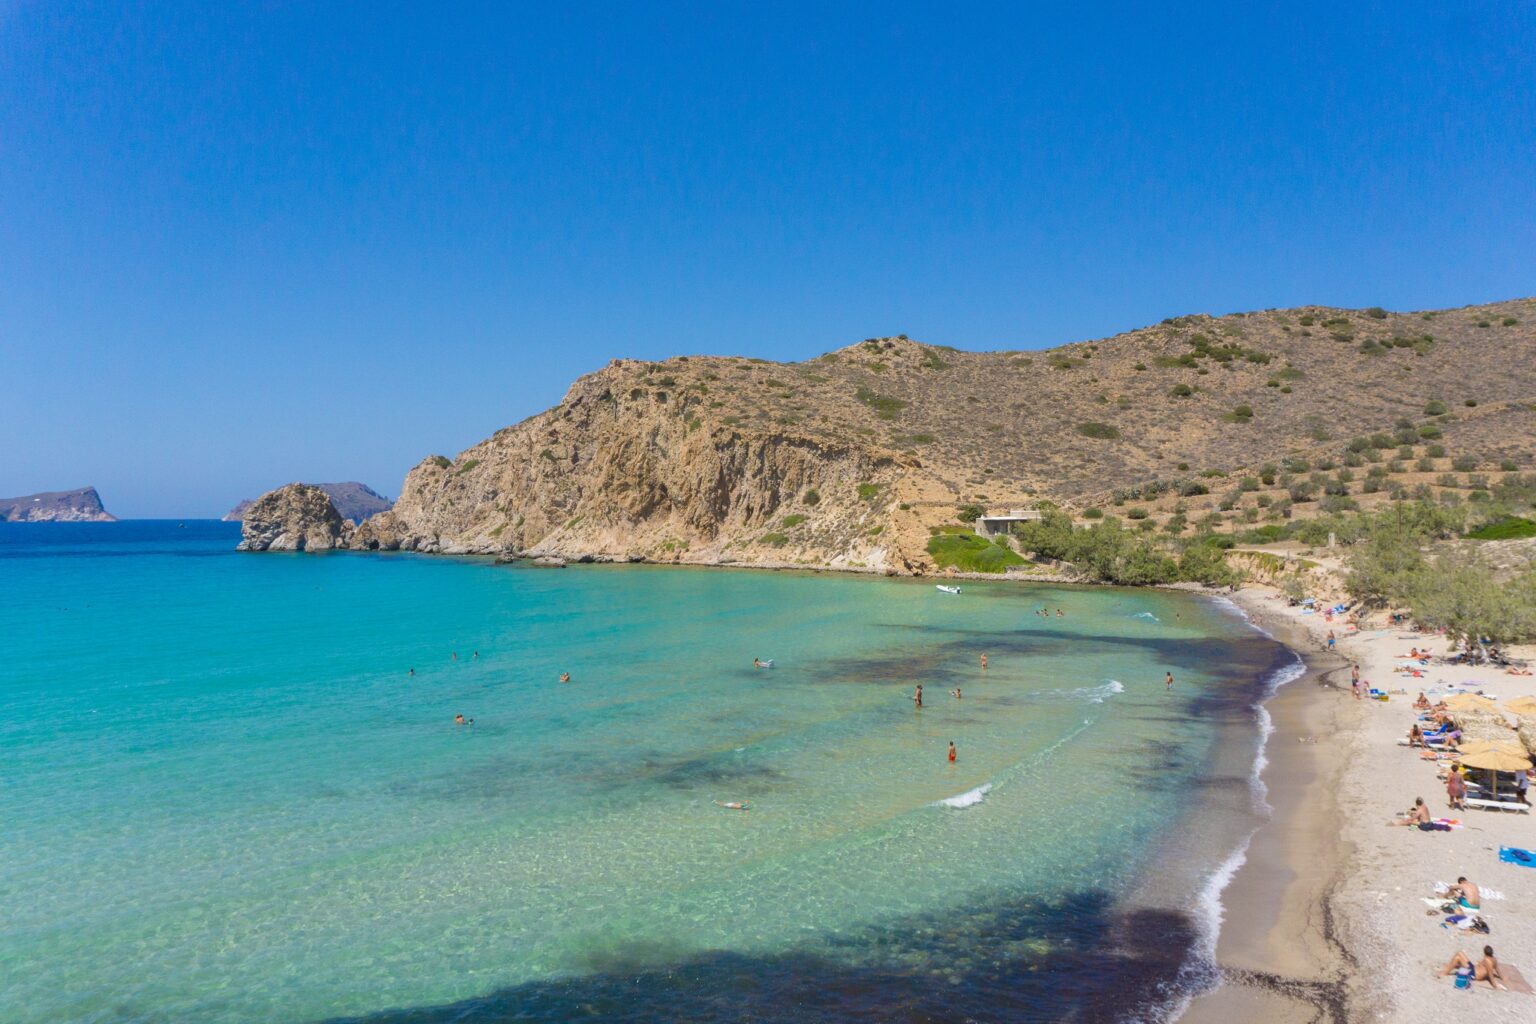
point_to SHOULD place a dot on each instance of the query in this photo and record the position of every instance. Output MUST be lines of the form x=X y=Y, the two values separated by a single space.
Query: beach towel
x=1515 y=980
x=1515 y=855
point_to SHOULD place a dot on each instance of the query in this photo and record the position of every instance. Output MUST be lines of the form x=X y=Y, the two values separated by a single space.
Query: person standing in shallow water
x=1168 y=683
x=951 y=751
x=983 y=662
x=917 y=696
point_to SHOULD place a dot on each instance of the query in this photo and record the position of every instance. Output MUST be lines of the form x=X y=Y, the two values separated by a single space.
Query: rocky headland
x=82 y=505
x=853 y=459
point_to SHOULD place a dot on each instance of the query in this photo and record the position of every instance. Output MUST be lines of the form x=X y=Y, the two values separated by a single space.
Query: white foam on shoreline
x=1202 y=974
x=1146 y=615
x=970 y=798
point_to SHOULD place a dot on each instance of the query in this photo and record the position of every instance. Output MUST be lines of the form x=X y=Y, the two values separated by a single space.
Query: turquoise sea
x=225 y=796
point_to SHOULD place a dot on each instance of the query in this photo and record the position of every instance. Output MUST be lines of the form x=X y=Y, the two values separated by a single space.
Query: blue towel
x=1515 y=855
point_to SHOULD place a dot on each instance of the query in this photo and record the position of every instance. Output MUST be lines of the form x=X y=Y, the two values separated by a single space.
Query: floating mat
x=1515 y=855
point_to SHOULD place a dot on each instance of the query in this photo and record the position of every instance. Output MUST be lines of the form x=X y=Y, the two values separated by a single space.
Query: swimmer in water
x=413 y=671
x=734 y=805
x=458 y=719
x=983 y=662
x=565 y=677
x=757 y=663
x=472 y=657
x=1060 y=614
x=917 y=696
x=1168 y=683
x=951 y=751
x=955 y=693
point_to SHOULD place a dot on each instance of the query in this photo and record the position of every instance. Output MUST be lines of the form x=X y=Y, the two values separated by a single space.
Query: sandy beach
x=1326 y=920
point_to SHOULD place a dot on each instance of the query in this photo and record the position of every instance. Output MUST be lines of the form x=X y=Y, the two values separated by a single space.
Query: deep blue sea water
x=225 y=796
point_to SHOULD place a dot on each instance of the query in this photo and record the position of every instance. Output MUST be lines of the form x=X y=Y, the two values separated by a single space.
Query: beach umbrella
x=1494 y=761
x=1510 y=747
x=1470 y=702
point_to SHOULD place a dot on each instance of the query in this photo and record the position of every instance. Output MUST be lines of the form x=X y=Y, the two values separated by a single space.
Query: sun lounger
x=1498 y=805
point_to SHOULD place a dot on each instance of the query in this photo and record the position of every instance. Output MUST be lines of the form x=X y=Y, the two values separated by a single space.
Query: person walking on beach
x=1456 y=790
x=917 y=696
x=1331 y=641
x=951 y=751
x=1168 y=683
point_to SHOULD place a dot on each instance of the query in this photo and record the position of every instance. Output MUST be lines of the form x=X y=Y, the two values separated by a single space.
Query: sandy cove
x=1325 y=921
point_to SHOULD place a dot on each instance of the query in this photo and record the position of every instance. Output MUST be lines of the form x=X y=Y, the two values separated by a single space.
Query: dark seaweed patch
x=1007 y=960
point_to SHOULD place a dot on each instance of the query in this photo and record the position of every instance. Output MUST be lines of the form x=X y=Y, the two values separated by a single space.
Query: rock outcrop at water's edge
x=295 y=517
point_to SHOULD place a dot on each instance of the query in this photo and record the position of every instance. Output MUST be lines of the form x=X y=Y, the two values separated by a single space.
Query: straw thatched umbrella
x=1521 y=706
x=1510 y=747
x=1494 y=761
x=1478 y=726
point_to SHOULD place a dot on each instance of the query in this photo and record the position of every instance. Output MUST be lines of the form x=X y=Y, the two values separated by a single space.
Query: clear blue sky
x=242 y=244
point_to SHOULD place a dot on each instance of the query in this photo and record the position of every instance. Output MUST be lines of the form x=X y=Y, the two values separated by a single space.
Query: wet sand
x=1279 y=957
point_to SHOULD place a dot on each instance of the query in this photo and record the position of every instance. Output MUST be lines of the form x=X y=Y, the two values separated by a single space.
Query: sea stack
x=295 y=517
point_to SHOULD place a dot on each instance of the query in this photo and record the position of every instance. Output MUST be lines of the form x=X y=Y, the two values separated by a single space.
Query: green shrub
x=441 y=462
x=970 y=553
x=1508 y=465
x=1376 y=313
x=1509 y=528
x=1181 y=391
x=1430 y=432
x=790 y=522
x=1436 y=451
x=1435 y=407
x=1136 y=513
x=1470 y=403
x=1463 y=463
x=468 y=465
x=812 y=497
x=1093 y=513
x=867 y=492
x=1306 y=320
x=884 y=406
x=1242 y=414
x=1101 y=431
x=776 y=540
x=970 y=513
x=1509 y=321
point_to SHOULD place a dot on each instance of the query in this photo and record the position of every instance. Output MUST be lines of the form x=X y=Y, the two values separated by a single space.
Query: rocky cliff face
x=82 y=505
x=353 y=501
x=296 y=517
x=631 y=467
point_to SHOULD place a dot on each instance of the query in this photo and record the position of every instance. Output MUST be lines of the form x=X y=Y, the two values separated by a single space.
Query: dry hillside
x=850 y=458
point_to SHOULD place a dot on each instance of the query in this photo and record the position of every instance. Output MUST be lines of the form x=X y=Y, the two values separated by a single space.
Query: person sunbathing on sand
x=1418 y=814
x=1486 y=969
x=1422 y=704
x=1415 y=736
x=1466 y=894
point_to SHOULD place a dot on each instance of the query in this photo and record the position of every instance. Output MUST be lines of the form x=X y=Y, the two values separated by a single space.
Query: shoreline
x=1277 y=953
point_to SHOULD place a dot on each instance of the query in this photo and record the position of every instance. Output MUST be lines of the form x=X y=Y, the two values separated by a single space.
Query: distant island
x=353 y=501
x=82 y=505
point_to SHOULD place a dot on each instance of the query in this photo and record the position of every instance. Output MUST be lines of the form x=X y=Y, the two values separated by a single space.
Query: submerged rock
x=295 y=517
